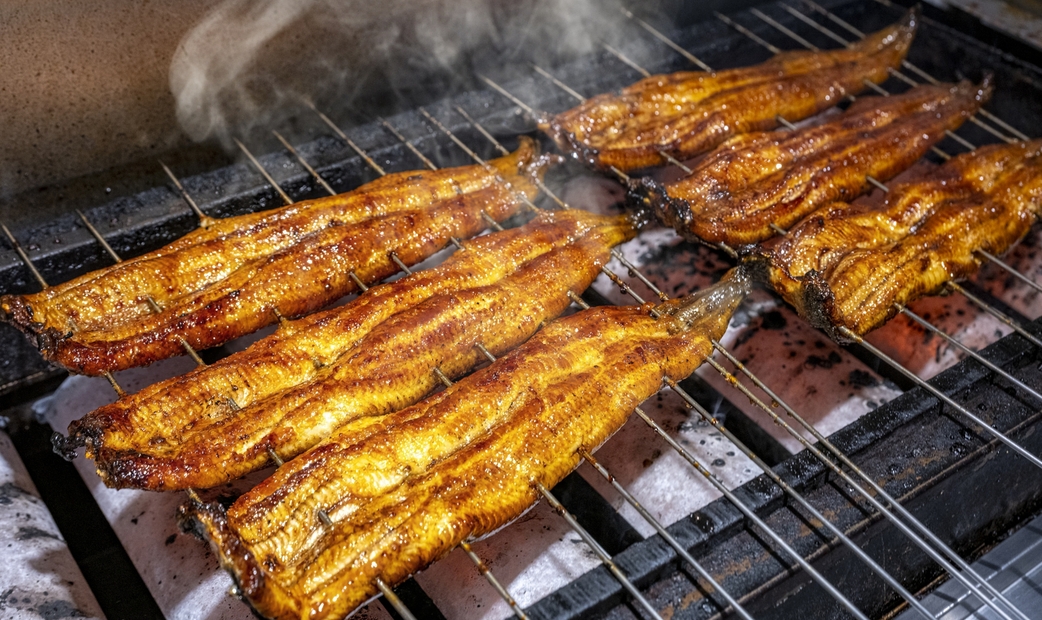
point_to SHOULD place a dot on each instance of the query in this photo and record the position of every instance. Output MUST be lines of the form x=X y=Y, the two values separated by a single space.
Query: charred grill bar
x=717 y=531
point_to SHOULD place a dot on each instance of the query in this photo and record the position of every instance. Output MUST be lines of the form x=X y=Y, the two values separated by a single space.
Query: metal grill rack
x=829 y=531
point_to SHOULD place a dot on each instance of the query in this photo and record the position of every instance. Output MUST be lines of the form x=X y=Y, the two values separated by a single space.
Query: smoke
x=249 y=64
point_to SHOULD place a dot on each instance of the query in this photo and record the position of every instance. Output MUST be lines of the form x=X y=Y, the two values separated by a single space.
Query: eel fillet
x=227 y=280
x=848 y=265
x=401 y=491
x=374 y=355
x=685 y=114
x=752 y=181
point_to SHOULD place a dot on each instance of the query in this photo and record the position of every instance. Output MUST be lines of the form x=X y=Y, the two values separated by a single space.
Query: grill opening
x=764 y=549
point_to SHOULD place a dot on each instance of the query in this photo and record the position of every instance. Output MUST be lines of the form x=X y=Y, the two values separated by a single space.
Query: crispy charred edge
x=815 y=301
x=209 y=522
x=650 y=198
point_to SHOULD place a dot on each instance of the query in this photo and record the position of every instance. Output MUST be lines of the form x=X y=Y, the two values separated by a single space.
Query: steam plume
x=247 y=63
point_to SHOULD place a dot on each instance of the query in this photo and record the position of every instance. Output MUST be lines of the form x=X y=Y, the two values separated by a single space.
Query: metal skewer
x=962 y=574
x=661 y=530
x=925 y=76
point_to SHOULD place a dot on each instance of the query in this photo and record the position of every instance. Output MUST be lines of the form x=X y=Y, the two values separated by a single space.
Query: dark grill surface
x=957 y=479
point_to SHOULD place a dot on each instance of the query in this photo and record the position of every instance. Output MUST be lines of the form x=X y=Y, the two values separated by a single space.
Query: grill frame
x=155 y=217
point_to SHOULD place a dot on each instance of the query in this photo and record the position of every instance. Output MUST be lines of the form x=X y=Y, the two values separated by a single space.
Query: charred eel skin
x=685 y=114
x=227 y=280
x=750 y=182
x=848 y=265
x=372 y=356
x=403 y=490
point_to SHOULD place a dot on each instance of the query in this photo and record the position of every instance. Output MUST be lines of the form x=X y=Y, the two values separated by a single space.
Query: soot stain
x=816 y=361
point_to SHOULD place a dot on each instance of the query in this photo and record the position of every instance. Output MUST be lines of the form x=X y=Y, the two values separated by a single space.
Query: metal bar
x=749 y=514
x=749 y=33
x=941 y=395
x=1017 y=327
x=661 y=37
x=601 y=553
x=965 y=349
x=626 y=61
x=408 y=145
x=97 y=235
x=307 y=166
x=788 y=490
x=929 y=78
x=681 y=551
x=962 y=574
x=393 y=599
x=348 y=141
x=204 y=220
x=481 y=129
x=22 y=255
x=484 y=570
x=1011 y=270
x=264 y=173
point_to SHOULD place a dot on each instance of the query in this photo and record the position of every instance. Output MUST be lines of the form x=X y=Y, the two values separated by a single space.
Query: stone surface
x=38 y=576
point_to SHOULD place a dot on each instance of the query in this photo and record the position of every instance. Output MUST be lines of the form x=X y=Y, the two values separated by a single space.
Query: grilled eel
x=372 y=356
x=403 y=490
x=752 y=181
x=847 y=266
x=687 y=113
x=303 y=266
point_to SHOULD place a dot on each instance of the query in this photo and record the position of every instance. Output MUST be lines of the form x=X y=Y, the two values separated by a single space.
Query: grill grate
x=754 y=523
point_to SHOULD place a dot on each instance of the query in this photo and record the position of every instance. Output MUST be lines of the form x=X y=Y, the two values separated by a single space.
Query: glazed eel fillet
x=228 y=280
x=403 y=490
x=846 y=266
x=685 y=114
x=752 y=181
x=372 y=356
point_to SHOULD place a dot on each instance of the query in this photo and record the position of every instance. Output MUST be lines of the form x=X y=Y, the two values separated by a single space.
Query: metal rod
x=961 y=574
x=681 y=551
x=401 y=265
x=97 y=235
x=204 y=220
x=264 y=173
x=22 y=255
x=484 y=570
x=599 y=550
x=998 y=261
x=965 y=349
x=351 y=143
x=941 y=395
x=408 y=145
x=749 y=514
x=625 y=60
x=788 y=490
x=393 y=599
x=995 y=312
x=661 y=37
x=925 y=76
x=307 y=166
